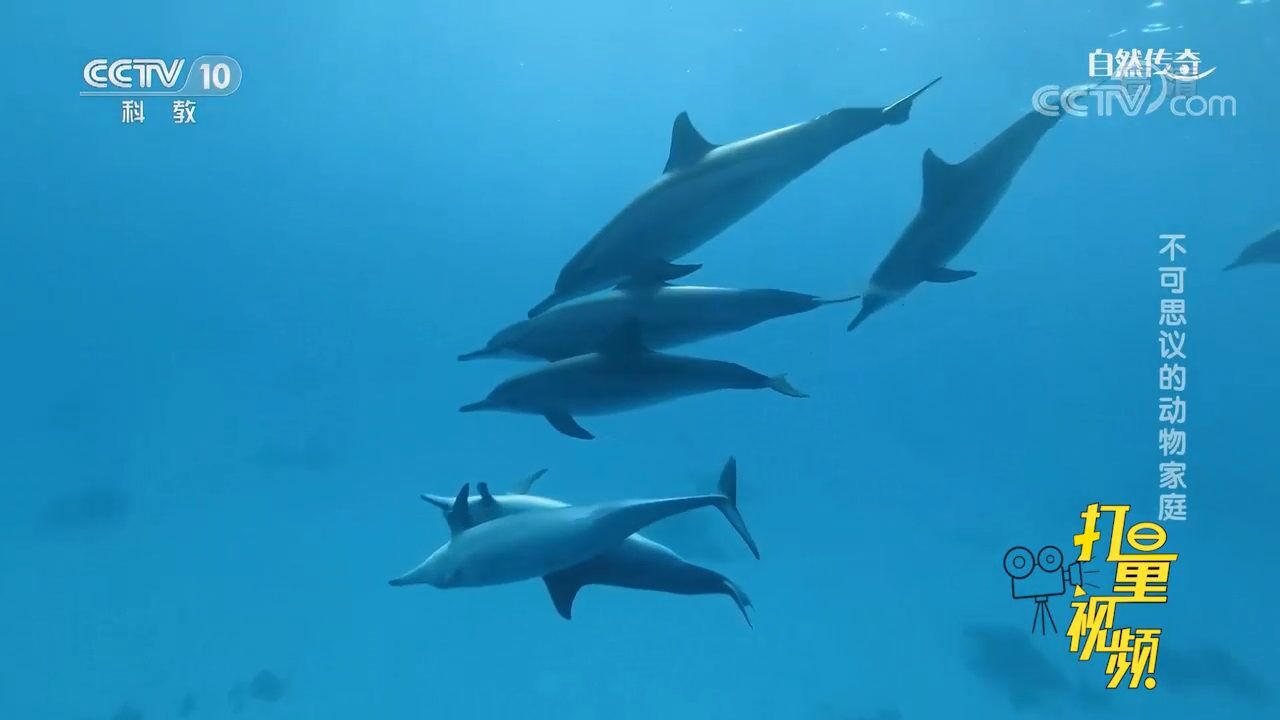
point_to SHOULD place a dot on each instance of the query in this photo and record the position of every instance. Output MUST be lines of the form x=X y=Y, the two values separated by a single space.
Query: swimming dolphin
x=704 y=189
x=528 y=545
x=1266 y=250
x=669 y=315
x=957 y=200
x=638 y=563
x=624 y=374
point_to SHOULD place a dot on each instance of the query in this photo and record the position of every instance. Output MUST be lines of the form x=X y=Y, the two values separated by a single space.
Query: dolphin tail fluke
x=780 y=384
x=837 y=300
x=740 y=598
x=546 y=304
x=729 y=489
x=898 y=112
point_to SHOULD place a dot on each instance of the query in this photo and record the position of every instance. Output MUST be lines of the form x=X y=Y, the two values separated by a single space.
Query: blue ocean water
x=229 y=370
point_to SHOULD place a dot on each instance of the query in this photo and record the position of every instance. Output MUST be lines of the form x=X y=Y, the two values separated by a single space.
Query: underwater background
x=229 y=362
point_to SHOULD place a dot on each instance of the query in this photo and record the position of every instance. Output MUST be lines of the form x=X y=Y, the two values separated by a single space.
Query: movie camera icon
x=1041 y=576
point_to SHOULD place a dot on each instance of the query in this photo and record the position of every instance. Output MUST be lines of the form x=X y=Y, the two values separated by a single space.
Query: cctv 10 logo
x=206 y=76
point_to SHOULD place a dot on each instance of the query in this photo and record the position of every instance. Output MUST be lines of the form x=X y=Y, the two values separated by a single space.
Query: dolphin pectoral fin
x=563 y=587
x=661 y=273
x=671 y=271
x=476 y=354
x=900 y=111
x=459 y=516
x=687 y=144
x=728 y=487
x=526 y=484
x=947 y=275
x=780 y=384
x=656 y=276
x=565 y=423
x=836 y=300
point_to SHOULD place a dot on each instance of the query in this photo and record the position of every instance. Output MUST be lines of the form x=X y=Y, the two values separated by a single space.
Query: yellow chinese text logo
x=1142 y=576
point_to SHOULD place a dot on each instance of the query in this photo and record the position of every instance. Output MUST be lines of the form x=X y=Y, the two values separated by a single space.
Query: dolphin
x=638 y=563
x=704 y=189
x=957 y=200
x=527 y=545
x=669 y=315
x=1266 y=250
x=624 y=374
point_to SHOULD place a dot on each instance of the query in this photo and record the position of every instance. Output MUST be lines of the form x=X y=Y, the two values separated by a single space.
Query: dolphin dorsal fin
x=687 y=144
x=460 y=514
x=624 y=339
x=938 y=175
x=485 y=495
x=526 y=484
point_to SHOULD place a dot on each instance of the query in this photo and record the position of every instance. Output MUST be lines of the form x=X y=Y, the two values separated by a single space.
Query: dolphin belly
x=682 y=212
x=642 y=564
x=601 y=386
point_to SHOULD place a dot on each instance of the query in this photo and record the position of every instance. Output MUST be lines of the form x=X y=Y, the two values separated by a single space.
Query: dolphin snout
x=475 y=406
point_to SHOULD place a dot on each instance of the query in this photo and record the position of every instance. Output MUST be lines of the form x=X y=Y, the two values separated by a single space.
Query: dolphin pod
x=704 y=189
x=624 y=374
x=637 y=563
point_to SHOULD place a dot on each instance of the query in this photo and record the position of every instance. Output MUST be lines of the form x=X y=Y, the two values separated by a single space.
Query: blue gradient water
x=228 y=366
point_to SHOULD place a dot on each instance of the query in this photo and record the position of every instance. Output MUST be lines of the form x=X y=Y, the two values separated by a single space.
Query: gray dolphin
x=1258 y=252
x=529 y=545
x=957 y=200
x=704 y=189
x=669 y=315
x=624 y=374
x=638 y=563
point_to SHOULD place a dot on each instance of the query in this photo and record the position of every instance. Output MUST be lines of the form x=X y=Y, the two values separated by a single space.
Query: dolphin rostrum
x=638 y=563
x=1266 y=250
x=669 y=315
x=529 y=545
x=704 y=189
x=957 y=200
x=624 y=374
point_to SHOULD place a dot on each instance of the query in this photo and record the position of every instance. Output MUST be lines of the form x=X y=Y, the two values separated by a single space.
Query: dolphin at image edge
x=1262 y=251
